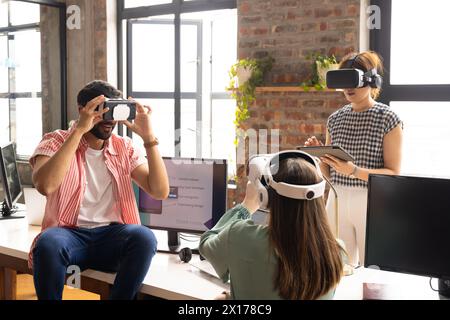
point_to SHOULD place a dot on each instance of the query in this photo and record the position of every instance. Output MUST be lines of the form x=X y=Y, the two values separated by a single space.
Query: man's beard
x=99 y=130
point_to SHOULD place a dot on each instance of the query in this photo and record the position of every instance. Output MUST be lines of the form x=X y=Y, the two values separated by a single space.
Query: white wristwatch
x=353 y=174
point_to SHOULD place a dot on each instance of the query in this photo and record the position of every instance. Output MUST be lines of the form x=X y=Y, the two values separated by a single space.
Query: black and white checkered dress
x=361 y=134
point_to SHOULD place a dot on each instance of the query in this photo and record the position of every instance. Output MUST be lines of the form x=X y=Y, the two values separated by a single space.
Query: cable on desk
x=431 y=286
x=188 y=235
x=188 y=240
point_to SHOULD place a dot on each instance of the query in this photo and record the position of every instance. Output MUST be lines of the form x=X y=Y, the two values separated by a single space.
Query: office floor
x=25 y=291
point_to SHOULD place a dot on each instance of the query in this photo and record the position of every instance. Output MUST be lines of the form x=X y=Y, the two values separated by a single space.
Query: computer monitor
x=197 y=198
x=408 y=225
x=10 y=179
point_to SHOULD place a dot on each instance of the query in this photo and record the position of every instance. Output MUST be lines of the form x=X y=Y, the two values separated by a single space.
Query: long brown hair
x=364 y=61
x=309 y=257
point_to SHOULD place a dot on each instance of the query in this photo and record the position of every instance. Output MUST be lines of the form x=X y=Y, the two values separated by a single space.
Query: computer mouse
x=185 y=254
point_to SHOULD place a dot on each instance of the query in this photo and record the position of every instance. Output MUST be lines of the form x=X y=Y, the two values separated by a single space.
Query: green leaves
x=325 y=61
x=244 y=93
x=307 y=86
x=322 y=62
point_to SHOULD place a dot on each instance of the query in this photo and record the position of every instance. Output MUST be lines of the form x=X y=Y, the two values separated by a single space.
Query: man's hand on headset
x=251 y=200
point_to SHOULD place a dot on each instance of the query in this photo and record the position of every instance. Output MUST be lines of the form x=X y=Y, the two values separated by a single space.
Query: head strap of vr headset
x=294 y=191
x=369 y=76
x=353 y=60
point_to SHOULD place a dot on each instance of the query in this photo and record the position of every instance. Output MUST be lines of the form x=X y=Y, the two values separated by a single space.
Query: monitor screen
x=197 y=196
x=10 y=175
x=408 y=225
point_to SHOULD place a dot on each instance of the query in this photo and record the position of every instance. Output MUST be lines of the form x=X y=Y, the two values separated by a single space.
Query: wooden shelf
x=291 y=89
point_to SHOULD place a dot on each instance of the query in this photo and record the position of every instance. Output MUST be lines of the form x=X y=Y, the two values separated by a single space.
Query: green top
x=238 y=249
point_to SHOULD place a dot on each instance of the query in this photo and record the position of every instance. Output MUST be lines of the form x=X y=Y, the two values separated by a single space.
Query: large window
x=21 y=101
x=412 y=41
x=175 y=57
x=20 y=75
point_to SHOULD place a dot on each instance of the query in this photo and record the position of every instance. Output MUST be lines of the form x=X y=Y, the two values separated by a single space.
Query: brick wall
x=297 y=115
x=86 y=50
x=289 y=30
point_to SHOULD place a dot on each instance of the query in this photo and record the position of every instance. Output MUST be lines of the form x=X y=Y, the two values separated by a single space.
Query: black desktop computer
x=12 y=188
x=408 y=226
x=196 y=201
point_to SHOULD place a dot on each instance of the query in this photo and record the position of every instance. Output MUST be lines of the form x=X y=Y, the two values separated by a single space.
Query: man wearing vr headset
x=294 y=256
x=368 y=130
x=91 y=218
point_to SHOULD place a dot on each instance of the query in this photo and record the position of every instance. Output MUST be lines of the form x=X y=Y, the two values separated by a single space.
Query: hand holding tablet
x=335 y=151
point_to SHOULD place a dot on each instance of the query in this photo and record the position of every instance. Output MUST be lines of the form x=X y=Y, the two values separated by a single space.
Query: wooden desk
x=169 y=278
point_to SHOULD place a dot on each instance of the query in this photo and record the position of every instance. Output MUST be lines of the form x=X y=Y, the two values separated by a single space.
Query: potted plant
x=321 y=65
x=245 y=76
x=243 y=73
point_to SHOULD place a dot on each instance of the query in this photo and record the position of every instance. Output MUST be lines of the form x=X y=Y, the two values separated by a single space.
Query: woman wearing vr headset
x=294 y=255
x=372 y=133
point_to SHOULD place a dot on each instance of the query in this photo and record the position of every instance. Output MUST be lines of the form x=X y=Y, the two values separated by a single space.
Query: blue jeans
x=125 y=249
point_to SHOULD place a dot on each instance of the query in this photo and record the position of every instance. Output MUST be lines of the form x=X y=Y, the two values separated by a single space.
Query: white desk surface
x=400 y=286
x=16 y=237
x=169 y=278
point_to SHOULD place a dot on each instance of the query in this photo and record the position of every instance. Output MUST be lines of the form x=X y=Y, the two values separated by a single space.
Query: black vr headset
x=350 y=78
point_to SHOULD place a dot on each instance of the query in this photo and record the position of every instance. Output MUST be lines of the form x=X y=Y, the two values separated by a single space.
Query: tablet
x=335 y=151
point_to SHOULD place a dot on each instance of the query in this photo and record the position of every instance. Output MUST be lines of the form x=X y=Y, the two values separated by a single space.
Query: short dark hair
x=94 y=89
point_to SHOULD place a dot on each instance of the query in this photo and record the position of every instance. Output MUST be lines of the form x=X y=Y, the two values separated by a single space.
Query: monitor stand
x=8 y=213
x=174 y=245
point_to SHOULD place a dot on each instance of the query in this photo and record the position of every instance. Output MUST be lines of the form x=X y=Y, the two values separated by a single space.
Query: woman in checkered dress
x=372 y=133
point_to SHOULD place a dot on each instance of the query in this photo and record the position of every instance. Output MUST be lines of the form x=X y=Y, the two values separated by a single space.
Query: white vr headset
x=260 y=170
x=353 y=78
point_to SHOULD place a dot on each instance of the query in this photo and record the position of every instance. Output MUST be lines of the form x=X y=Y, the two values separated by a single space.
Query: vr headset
x=353 y=78
x=260 y=171
x=119 y=110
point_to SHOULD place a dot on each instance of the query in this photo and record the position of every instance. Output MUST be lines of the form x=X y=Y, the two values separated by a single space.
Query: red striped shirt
x=63 y=205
